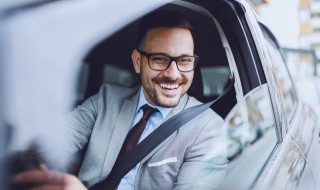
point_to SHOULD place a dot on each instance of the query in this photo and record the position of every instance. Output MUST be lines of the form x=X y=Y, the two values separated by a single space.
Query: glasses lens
x=186 y=63
x=159 y=62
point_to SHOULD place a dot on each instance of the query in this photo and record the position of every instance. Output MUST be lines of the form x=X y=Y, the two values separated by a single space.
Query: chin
x=168 y=103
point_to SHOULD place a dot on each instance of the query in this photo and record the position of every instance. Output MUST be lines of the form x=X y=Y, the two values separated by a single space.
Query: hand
x=45 y=179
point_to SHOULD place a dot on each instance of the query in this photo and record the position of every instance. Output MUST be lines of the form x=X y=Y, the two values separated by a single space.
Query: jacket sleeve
x=205 y=162
x=80 y=122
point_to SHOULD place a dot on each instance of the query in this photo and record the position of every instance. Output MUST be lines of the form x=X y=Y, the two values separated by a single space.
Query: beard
x=164 y=100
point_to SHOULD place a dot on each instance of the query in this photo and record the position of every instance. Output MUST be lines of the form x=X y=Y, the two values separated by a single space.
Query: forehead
x=168 y=31
x=168 y=36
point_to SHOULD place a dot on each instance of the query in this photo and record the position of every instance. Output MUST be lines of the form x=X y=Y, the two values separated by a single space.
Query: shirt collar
x=142 y=101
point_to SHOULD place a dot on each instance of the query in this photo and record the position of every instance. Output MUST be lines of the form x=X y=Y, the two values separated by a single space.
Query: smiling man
x=166 y=62
x=194 y=157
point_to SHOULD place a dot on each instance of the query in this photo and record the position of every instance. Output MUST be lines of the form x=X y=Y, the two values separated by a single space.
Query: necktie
x=134 y=135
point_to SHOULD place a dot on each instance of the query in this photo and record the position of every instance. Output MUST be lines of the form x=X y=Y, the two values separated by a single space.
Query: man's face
x=165 y=88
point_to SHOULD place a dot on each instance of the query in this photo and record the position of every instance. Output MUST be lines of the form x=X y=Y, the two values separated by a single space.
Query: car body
x=55 y=54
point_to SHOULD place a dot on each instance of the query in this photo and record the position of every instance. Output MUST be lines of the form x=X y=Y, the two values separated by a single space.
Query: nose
x=172 y=72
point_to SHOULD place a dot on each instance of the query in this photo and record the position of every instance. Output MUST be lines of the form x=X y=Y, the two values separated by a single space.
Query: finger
x=47 y=187
x=28 y=176
x=39 y=177
x=43 y=167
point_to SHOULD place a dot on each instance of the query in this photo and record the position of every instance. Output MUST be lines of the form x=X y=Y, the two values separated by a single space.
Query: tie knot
x=148 y=111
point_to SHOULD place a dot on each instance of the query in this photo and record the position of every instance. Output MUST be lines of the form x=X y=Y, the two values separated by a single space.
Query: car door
x=251 y=129
x=262 y=129
x=296 y=122
x=254 y=125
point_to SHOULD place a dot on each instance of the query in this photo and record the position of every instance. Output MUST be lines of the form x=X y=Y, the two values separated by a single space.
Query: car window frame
x=254 y=22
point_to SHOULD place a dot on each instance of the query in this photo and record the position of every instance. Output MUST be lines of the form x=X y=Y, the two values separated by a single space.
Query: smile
x=169 y=86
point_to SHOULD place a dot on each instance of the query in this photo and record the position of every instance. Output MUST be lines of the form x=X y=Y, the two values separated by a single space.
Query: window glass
x=82 y=82
x=118 y=75
x=111 y=74
x=250 y=140
x=214 y=80
x=283 y=78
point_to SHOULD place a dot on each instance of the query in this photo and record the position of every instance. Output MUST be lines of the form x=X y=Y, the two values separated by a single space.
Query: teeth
x=169 y=86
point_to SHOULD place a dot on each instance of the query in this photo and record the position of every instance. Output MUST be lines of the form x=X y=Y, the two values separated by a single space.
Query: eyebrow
x=162 y=53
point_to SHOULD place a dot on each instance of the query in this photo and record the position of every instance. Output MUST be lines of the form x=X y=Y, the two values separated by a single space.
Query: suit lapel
x=121 y=130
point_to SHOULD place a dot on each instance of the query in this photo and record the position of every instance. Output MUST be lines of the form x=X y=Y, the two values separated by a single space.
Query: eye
x=186 y=60
x=159 y=59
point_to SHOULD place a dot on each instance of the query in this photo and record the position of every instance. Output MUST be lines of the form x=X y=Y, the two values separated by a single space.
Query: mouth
x=169 y=89
x=169 y=86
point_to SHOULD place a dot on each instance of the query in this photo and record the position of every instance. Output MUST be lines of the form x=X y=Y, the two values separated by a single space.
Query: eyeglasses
x=161 y=62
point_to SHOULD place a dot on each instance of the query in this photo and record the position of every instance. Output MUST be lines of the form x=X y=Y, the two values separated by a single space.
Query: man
x=194 y=157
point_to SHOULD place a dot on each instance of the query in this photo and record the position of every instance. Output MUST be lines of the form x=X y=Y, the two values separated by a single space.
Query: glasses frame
x=175 y=59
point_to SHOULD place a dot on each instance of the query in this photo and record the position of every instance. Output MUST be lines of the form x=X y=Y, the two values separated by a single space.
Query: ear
x=135 y=56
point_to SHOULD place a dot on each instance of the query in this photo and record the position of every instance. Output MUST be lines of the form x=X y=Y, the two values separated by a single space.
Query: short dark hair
x=163 y=18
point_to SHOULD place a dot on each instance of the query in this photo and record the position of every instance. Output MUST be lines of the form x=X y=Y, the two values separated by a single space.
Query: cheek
x=147 y=74
x=189 y=77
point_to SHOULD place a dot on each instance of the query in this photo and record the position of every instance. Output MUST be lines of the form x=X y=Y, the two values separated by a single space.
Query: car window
x=250 y=140
x=214 y=80
x=110 y=73
x=122 y=76
x=282 y=76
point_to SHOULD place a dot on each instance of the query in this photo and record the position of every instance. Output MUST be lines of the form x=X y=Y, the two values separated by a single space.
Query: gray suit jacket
x=194 y=157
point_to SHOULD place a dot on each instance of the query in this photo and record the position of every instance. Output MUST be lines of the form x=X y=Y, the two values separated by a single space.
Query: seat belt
x=151 y=142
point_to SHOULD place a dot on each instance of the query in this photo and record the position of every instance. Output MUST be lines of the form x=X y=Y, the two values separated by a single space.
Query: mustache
x=169 y=81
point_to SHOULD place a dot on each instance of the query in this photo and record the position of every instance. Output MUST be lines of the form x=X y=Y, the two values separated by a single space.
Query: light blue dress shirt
x=127 y=182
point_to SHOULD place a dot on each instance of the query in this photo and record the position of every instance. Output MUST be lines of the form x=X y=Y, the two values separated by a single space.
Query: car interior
x=110 y=61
